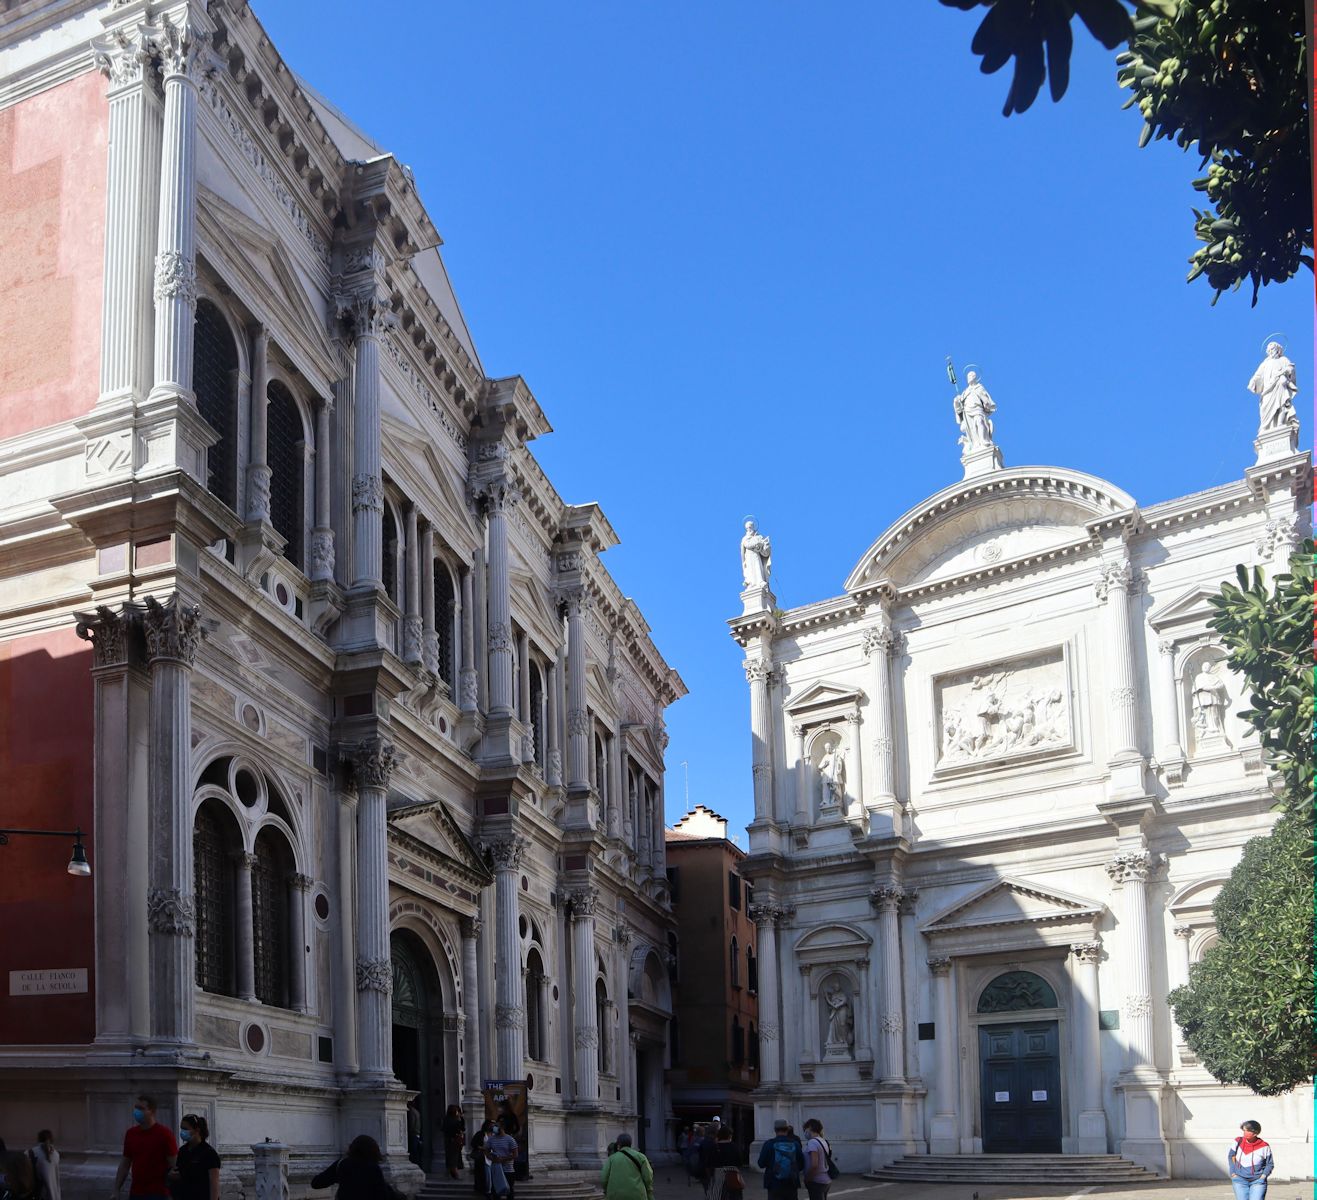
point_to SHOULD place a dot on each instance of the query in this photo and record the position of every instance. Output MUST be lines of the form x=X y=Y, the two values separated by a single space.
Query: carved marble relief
x=1007 y=709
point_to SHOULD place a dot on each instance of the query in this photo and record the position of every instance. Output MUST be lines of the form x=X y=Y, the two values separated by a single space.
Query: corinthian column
x=578 y=721
x=1113 y=590
x=586 y=1033
x=552 y=736
x=766 y=917
x=469 y=687
x=429 y=617
x=1092 y=1123
x=498 y=496
x=887 y=900
x=173 y=631
x=509 y=1007
x=761 y=734
x=944 y=1134
x=1130 y=870
x=878 y=645
x=176 y=237
x=258 y=470
x=322 y=538
x=244 y=956
x=471 y=1007
x=413 y=626
x=373 y=761
x=369 y=317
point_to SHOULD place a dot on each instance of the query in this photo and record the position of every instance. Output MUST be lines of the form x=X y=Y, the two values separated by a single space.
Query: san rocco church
x=365 y=741
x=998 y=780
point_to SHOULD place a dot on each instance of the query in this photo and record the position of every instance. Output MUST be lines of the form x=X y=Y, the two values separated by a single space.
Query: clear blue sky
x=729 y=245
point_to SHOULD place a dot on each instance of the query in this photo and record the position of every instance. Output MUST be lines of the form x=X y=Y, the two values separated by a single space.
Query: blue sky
x=729 y=246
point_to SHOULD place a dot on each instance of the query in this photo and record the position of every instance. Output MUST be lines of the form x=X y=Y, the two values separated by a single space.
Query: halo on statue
x=968 y=367
x=750 y=517
x=1275 y=337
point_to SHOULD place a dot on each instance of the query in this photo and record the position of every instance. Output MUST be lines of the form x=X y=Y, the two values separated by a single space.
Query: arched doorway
x=1020 y=1066
x=418 y=1033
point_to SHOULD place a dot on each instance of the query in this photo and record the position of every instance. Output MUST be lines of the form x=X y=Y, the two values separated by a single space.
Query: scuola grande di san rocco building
x=998 y=781
x=367 y=740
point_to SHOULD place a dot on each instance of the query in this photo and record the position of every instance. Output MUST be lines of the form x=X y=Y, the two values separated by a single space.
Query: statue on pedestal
x=974 y=409
x=756 y=556
x=840 y=1036
x=832 y=768
x=1210 y=699
x=1275 y=383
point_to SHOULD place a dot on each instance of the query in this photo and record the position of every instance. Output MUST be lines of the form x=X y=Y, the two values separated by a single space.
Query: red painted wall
x=52 y=234
x=46 y=915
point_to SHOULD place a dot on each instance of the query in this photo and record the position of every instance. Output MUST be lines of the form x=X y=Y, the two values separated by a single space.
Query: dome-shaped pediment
x=999 y=518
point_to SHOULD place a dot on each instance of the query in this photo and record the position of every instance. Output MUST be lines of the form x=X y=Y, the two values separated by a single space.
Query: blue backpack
x=782 y=1166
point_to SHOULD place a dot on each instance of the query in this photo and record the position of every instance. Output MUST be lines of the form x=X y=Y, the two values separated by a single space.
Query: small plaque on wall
x=1109 y=1018
x=48 y=983
x=1001 y=1097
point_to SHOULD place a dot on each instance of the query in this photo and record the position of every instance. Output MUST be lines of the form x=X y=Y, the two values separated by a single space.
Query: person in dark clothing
x=479 y=1169
x=454 y=1130
x=196 y=1173
x=725 y=1163
x=358 y=1173
x=782 y=1161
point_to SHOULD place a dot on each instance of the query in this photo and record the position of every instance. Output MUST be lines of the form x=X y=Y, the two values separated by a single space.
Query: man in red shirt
x=149 y=1151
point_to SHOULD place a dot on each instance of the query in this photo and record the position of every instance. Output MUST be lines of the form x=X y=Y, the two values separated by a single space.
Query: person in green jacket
x=627 y=1175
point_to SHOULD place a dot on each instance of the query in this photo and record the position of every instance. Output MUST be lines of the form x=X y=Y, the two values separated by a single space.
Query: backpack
x=782 y=1166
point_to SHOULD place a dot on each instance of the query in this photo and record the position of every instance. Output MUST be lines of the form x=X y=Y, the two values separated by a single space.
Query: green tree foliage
x=1227 y=78
x=1247 y=1010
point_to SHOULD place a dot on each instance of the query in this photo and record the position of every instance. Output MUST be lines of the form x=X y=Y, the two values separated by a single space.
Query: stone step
x=1014 y=1168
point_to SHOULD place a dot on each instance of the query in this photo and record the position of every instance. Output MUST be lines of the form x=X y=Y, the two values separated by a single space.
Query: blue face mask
x=184 y=1135
x=138 y=1114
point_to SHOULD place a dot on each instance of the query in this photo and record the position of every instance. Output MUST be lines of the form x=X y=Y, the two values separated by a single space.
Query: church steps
x=1014 y=1168
x=546 y=1187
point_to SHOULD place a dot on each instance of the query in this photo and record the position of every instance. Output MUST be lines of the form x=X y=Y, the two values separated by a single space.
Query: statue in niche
x=974 y=409
x=1210 y=698
x=756 y=556
x=840 y=1036
x=832 y=769
x=1275 y=383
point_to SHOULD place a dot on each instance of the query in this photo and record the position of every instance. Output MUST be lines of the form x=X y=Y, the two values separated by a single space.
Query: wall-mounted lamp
x=78 y=864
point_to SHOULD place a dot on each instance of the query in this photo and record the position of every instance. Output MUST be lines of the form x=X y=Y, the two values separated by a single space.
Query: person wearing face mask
x=149 y=1152
x=197 y=1175
x=45 y=1158
x=1250 y=1163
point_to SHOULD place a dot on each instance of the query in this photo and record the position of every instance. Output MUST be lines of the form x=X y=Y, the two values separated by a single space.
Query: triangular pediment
x=1192 y=605
x=1014 y=902
x=824 y=695
x=641 y=743
x=429 y=827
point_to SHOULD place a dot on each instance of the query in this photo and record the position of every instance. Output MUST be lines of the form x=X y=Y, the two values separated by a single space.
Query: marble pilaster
x=373 y=762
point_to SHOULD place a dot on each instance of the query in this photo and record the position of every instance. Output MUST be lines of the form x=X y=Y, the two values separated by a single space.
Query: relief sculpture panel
x=1015 y=708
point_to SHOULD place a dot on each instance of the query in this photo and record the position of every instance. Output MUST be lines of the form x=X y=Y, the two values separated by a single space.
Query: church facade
x=366 y=741
x=998 y=781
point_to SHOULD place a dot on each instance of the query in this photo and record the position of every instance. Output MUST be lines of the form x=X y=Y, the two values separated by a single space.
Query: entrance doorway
x=418 y=1037
x=1019 y=1066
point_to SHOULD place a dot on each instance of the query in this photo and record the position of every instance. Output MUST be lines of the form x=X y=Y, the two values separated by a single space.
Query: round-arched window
x=1017 y=991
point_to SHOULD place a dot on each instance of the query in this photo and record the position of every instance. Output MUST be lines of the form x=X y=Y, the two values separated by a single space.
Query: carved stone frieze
x=175 y=277
x=375 y=975
x=169 y=910
x=367 y=493
x=373 y=762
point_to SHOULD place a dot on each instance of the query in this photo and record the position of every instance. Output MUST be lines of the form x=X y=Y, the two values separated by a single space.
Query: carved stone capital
x=1131 y=865
x=175 y=277
x=123 y=56
x=1089 y=953
x=470 y=927
x=1114 y=575
x=584 y=901
x=1183 y=931
x=244 y=860
x=940 y=965
x=169 y=910
x=766 y=914
x=1165 y=646
x=887 y=898
x=181 y=48
x=301 y=883
x=375 y=975
x=373 y=762
x=755 y=671
x=367 y=493
x=108 y=632
x=506 y=854
x=367 y=313
x=173 y=630
x=881 y=639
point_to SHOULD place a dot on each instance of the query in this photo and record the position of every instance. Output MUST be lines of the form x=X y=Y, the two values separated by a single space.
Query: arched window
x=1016 y=991
x=215 y=384
x=272 y=875
x=445 y=610
x=601 y=1016
x=751 y=969
x=215 y=840
x=735 y=960
x=738 y=1042
x=392 y=554
x=536 y=1034
x=286 y=455
x=537 y=711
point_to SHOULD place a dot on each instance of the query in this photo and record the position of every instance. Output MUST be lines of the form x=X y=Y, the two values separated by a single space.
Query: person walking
x=782 y=1161
x=1250 y=1163
x=626 y=1173
x=818 y=1153
x=479 y=1168
x=725 y=1163
x=149 y=1152
x=45 y=1159
x=196 y=1177
x=358 y=1173
x=454 y=1131
x=501 y=1160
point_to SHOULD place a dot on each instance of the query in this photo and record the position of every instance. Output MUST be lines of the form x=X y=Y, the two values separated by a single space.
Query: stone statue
x=1210 y=698
x=1275 y=384
x=832 y=767
x=841 y=1020
x=756 y=557
x=974 y=409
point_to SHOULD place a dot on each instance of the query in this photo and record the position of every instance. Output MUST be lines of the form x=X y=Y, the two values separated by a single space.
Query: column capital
x=173 y=630
x=584 y=901
x=769 y=914
x=367 y=312
x=244 y=859
x=572 y=600
x=1089 y=953
x=879 y=639
x=375 y=975
x=888 y=897
x=373 y=762
x=470 y=927
x=1118 y=575
x=180 y=45
x=109 y=633
x=169 y=910
x=301 y=883
x=756 y=670
x=1183 y=931
x=123 y=55
x=940 y=965
x=1166 y=646
x=1131 y=865
x=506 y=853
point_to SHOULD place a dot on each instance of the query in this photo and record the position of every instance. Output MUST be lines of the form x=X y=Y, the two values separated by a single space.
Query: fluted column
x=469 y=686
x=131 y=216
x=855 y=781
x=1179 y=977
x=585 y=1023
x=345 y=991
x=878 y=644
x=626 y=1057
x=802 y=815
x=761 y=734
x=301 y=885
x=244 y=950
x=429 y=618
x=498 y=496
x=173 y=632
x=412 y=624
x=616 y=796
x=1170 y=747
x=258 y=470
x=944 y=1134
x=322 y=537
x=554 y=690
x=578 y=721
x=523 y=698
x=373 y=761
x=471 y=1008
x=1092 y=1122
x=1113 y=590
x=176 y=238
x=509 y=1005
x=766 y=917
x=887 y=900
x=368 y=317
x=1130 y=870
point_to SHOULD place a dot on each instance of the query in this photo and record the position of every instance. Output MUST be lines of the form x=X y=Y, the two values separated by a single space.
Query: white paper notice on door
x=1040 y=1095
x=1001 y=1097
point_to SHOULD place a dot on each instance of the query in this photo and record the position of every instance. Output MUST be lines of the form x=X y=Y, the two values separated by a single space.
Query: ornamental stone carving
x=893 y=1023
x=1011 y=708
x=1185 y=932
x=586 y=1037
x=175 y=277
x=1118 y=575
x=766 y=914
x=569 y=560
x=373 y=762
x=506 y=854
x=301 y=883
x=173 y=630
x=322 y=553
x=499 y=637
x=584 y=902
x=1138 y=1004
x=180 y=47
x=369 y=315
x=367 y=493
x=755 y=671
x=258 y=492
x=1089 y=953
x=1131 y=865
x=1122 y=697
x=413 y=645
x=1279 y=536
x=1166 y=646
x=509 y=1016
x=880 y=640
x=108 y=632
x=939 y=966
x=470 y=927
x=768 y=1032
x=123 y=55
x=169 y=910
x=375 y=975
x=471 y=689
x=887 y=898
x=623 y=935
x=578 y=721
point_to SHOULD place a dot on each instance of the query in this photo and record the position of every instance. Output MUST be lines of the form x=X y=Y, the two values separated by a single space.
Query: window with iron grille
x=390 y=571
x=270 y=921
x=285 y=452
x=212 y=885
x=214 y=381
x=445 y=609
x=536 y=1032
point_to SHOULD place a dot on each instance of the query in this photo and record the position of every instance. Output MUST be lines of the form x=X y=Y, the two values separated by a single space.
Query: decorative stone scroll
x=375 y=975
x=169 y=910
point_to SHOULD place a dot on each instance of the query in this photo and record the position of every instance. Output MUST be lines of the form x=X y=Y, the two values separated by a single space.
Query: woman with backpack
x=1250 y=1163
x=626 y=1174
x=818 y=1161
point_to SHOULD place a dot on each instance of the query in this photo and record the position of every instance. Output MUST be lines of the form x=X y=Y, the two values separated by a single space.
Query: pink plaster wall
x=52 y=232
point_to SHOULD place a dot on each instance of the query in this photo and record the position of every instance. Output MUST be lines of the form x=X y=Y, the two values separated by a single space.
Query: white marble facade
x=377 y=640
x=968 y=930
